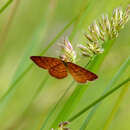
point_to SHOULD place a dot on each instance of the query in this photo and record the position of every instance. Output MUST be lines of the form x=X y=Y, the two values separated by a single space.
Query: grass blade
x=55 y=107
x=5 y=6
x=23 y=68
x=6 y=27
x=116 y=107
x=108 y=87
x=75 y=97
x=75 y=29
x=42 y=53
x=98 y=100
x=19 y=77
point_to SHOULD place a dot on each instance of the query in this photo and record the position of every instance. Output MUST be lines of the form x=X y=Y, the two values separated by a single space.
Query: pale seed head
x=69 y=54
x=104 y=28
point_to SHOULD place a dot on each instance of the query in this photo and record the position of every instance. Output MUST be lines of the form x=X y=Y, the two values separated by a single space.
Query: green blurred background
x=26 y=28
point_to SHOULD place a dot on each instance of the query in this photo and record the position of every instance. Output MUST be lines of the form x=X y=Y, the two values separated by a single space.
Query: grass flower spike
x=103 y=29
x=44 y=79
x=62 y=126
x=69 y=53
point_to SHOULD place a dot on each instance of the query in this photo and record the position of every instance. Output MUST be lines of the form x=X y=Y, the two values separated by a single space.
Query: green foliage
x=30 y=99
x=7 y=3
x=109 y=86
x=98 y=100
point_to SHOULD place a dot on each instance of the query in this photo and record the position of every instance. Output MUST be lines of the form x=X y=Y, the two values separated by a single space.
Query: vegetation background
x=28 y=27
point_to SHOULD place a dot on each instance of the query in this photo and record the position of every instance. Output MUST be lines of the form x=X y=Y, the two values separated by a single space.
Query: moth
x=59 y=69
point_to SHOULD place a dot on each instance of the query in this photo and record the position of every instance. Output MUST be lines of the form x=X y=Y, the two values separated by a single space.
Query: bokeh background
x=26 y=28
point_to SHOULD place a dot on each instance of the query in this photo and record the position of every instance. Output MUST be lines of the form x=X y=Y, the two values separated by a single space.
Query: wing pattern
x=55 y=66
x=59 y=71
x=46 y=62
x=80 y=74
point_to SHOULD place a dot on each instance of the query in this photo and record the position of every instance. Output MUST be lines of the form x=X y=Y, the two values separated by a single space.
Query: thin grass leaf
x=108 y=87
x=98 y=100
x=5 y=97
x=39 y=89
x=78 y=25
x=6 y=27
x=42 y=53
x=5 y=6
x=28 y=68
x=34 y=43
x=77 y=94
x=31 y=48
x=51 y=113
x=116 y=107
x=25 y=65
x=33 y=110
x=25 y=62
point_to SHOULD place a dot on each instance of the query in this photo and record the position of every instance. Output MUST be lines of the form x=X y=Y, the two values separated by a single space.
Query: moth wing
x=59 y=71
x=80 y=74
x=45 y=62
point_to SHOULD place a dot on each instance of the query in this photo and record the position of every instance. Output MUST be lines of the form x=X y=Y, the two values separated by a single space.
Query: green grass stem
x=77 y=94
x=6 y=27
x=98 y=100
x=5 y=6
x=55 y=107
x=116 y=107
x=108 y=87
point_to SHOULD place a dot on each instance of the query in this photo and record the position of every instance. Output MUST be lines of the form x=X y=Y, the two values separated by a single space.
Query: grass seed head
x=103 y=29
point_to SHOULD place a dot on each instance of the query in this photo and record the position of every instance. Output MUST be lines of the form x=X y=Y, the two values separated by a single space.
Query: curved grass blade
x=44 y=125
x=77 y=94
x=108 y=87
x=98 y=100
x=77 y=26
x=32 y=46
x=116 y=107
x=71 y=37
x=25 y=62
x=6 y=27
x=43 y=52
x=5 y=6
x=28 y=68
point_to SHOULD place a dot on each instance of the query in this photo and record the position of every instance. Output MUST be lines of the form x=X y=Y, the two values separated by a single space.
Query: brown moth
x=59 y=69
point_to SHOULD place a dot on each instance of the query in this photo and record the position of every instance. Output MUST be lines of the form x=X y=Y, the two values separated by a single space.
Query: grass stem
x=5 y=6
x=98 y=100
